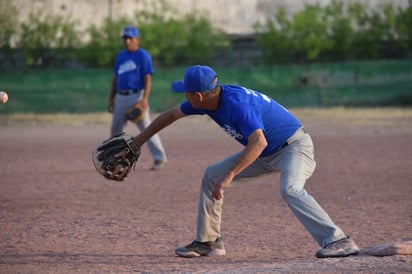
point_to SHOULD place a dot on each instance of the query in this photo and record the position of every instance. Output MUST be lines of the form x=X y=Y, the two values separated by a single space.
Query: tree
x=170 y=37
x=177 y=39
x=105 y=42
x=8 y=23
x=338 y=31
x=305 y=33
x=273 y=38
x=43 y=32
x=403 y=23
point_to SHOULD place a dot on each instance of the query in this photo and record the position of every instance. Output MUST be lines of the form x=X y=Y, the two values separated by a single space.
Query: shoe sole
x=217 y=252
x=187 y=254
x=193 y=254
x=339 y=255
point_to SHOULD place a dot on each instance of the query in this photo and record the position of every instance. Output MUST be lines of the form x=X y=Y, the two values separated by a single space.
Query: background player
x=132 y=82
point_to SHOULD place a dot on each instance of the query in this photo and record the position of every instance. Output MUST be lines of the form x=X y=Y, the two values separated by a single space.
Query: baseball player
x=274 y=141
x=131 y=83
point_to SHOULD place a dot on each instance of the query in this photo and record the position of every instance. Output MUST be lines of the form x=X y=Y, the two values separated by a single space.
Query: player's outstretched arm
x=163 y=120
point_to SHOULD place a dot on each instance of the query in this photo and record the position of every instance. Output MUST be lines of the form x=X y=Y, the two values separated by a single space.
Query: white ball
x=3 y=97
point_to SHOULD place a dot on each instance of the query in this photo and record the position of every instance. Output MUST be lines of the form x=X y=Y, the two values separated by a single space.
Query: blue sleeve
x=116 y=65
x=147 y=64
x=187 y=109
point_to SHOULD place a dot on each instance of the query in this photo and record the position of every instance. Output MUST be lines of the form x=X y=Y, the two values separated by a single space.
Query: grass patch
x=356 y=84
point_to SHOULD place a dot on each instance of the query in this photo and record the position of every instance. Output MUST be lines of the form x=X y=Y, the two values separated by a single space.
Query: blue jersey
x=242 y=111
x=131 y=68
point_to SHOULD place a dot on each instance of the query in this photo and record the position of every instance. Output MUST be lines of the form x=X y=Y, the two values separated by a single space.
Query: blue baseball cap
x=131 y=32
x=197 y=79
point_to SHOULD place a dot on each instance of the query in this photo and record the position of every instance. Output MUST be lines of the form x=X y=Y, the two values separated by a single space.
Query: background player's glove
x=116 y=156
x=135 y=113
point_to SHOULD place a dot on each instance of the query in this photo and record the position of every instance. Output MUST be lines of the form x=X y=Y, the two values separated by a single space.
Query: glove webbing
x=134 y=148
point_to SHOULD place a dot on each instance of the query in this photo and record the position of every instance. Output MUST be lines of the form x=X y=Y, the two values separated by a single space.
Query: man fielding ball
x=274 y=141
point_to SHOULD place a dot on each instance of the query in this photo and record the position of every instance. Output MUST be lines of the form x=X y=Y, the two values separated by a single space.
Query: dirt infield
x=57 y=215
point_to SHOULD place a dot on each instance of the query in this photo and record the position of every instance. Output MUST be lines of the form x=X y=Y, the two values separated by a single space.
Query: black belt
x=289 y=142
x=128 y=91
x=284 y=145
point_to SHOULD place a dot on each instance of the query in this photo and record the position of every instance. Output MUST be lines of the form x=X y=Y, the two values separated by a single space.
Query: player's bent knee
x=291 y=192
x=209 y=176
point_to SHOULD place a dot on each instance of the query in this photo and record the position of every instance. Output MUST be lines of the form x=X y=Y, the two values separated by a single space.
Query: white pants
x=121 y=104
x=296 y=164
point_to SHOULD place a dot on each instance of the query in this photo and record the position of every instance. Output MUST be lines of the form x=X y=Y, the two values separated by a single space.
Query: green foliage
x=372 y=26
x=309 y=31
x=160 y=30
x=306 y=32
x=170 y=38
x=177 y=42
x=339 y=31
x=104 y=43
x=403 y=23
x=8 y=21
x=275 y=42
x=174 y=39
x=42 y=32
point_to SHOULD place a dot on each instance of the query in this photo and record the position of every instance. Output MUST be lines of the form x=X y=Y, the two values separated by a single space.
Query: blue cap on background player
x=197 y=79
x=131 y=32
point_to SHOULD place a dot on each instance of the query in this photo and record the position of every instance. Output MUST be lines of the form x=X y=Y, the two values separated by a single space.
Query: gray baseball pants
x=121 y=104
x=296 y=163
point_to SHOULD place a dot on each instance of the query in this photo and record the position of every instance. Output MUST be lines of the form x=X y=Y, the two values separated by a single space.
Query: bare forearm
x=112 y=95
x=147 y=87
x=257 y=143
x=162 y=121
x=113 y=89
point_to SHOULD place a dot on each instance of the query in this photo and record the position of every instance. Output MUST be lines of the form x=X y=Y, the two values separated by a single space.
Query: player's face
x=131 y=44
x=194 y=99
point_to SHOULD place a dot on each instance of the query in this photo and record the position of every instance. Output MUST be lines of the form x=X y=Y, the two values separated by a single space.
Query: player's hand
x=144 y=104
x=110 y=108
x=217 y=191
x=219 y=188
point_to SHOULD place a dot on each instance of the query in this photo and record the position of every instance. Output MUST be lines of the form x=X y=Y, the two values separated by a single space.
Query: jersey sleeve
x=116 y=65
x=187 y=109
x=147 y=67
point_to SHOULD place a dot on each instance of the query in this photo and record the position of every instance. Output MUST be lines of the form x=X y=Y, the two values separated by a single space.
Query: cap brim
x=128 y=36
x=178 y=86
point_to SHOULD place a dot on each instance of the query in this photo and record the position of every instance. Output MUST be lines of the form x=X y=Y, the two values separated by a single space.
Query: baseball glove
x=115 y=157
x=135 y=113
